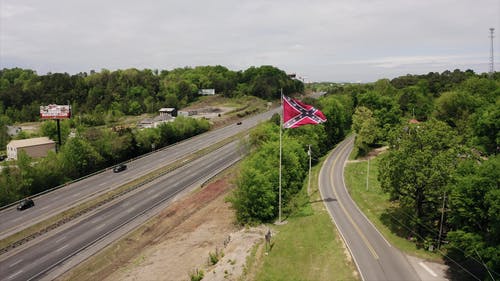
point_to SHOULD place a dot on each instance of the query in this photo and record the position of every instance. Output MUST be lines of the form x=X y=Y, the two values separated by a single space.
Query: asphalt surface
x=57 y=201
x=33 y=262
x=375 y=258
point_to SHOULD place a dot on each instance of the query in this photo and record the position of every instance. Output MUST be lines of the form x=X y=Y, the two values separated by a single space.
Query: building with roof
x=35 y=147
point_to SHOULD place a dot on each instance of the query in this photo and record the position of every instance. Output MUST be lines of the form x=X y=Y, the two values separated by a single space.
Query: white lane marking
x=101 y=184
x=17 y=262
x=130 y=210
x=60 y=239
x=101 y=226
x=76 y=195
x=428 y=269
x=44 y=208
x=14 y=275
x=62 y=248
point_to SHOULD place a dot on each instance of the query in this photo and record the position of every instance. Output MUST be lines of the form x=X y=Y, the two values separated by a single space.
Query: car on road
x=239 y=123
x=120 y=167
x=25 y=204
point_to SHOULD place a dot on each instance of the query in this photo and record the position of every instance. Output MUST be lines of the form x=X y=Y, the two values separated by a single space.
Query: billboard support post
x=58 y=135
x=57 y=112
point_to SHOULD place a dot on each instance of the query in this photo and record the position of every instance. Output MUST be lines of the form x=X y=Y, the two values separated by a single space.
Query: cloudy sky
x=320 y=40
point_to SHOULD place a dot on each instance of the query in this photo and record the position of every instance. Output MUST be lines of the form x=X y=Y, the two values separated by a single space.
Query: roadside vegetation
x=307 y=247
x=437 y=186
x=105 y=108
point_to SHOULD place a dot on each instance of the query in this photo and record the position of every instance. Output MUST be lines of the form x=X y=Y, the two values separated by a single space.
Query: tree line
x=89 y=150
x=90 y=140
x=256 y=197
x=96 y=95
x=442 y=165
x=441 y=170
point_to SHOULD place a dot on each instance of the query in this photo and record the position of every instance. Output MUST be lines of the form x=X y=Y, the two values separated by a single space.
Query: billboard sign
x=54 y=111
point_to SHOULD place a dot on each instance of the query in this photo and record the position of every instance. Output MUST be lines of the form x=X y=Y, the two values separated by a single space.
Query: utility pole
x=492 y=64
x=441 y=221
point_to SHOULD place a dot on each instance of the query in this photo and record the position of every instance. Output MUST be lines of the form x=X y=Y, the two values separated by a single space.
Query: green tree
x=473 y=219
x=366 y=130
x=78 y=158
x=416 y=170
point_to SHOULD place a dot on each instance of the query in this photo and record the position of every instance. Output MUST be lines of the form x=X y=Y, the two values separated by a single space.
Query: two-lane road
x=375 y=258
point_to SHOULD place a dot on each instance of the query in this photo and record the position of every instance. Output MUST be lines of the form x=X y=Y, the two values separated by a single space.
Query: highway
x=374 y=256
x=57 y=201
x=34 y=261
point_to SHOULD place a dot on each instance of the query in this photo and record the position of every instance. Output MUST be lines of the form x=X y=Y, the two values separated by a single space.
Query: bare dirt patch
x=178 y=241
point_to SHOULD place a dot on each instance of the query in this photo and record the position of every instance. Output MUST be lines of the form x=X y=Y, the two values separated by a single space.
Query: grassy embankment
x=307 y=247
x=374 y=203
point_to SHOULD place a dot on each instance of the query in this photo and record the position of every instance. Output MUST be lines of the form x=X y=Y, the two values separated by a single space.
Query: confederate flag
x=296 y=114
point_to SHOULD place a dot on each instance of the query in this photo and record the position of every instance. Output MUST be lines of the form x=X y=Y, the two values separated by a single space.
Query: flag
x=296 y=114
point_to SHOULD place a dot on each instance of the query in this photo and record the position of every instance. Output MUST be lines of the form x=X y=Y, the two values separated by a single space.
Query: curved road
x=375 y=258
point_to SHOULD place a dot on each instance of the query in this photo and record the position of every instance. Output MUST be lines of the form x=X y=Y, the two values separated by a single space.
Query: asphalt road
x=35 y=261
x=52 y=203
x=375 y=258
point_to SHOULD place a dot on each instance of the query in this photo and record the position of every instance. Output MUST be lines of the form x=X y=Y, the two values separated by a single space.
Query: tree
x=486 y=128
x=366 y=130
x=474 y=220
x=78 y=158
x=417 y=169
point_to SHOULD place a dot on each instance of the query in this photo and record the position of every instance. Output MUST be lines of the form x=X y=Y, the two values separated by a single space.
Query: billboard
x=54 y=111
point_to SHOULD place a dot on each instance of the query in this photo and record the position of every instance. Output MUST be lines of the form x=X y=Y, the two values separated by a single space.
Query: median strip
x=34 y=231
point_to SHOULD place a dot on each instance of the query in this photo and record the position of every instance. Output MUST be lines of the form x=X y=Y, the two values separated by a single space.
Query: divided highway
x=375 y=258
x=36 y=260
x=52 y=203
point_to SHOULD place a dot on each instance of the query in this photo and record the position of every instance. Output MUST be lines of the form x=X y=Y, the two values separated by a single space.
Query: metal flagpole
x=281 y=125
x=309 y=179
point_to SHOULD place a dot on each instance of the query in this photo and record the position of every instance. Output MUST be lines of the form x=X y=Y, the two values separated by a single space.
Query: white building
x=35 y=147
x=206 y=92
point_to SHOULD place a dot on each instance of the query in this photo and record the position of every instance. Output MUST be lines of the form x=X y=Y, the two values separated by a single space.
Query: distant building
x=35 y=147
x=13 y=130
x=206 y=92
x=168 y=111
x=167 y=114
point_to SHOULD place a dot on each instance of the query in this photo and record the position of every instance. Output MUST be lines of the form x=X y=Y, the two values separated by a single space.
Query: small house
x=35 y=147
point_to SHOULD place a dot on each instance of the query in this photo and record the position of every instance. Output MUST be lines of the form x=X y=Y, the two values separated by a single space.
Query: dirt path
x=186 y=247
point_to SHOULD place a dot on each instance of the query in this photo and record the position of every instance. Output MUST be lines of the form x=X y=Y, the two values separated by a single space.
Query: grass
x=374 y=203
x=307 y=247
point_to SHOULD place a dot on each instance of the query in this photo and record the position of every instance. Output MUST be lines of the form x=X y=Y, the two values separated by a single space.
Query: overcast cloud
x=320 y=40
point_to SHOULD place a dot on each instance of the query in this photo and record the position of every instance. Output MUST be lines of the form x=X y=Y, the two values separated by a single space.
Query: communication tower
x=492 y=68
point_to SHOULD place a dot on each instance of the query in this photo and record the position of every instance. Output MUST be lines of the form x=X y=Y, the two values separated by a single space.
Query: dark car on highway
x=120 y=167
x=25 y=204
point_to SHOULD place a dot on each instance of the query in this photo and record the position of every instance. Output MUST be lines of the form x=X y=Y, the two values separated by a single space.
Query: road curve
x=375 y=258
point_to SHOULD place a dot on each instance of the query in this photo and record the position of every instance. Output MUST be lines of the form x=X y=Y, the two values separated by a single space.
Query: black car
x=120 y=167
x=239 y=123
x=25 y=204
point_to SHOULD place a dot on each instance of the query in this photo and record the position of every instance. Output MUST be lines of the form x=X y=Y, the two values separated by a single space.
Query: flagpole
x=309 y=176
x=281 y=125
